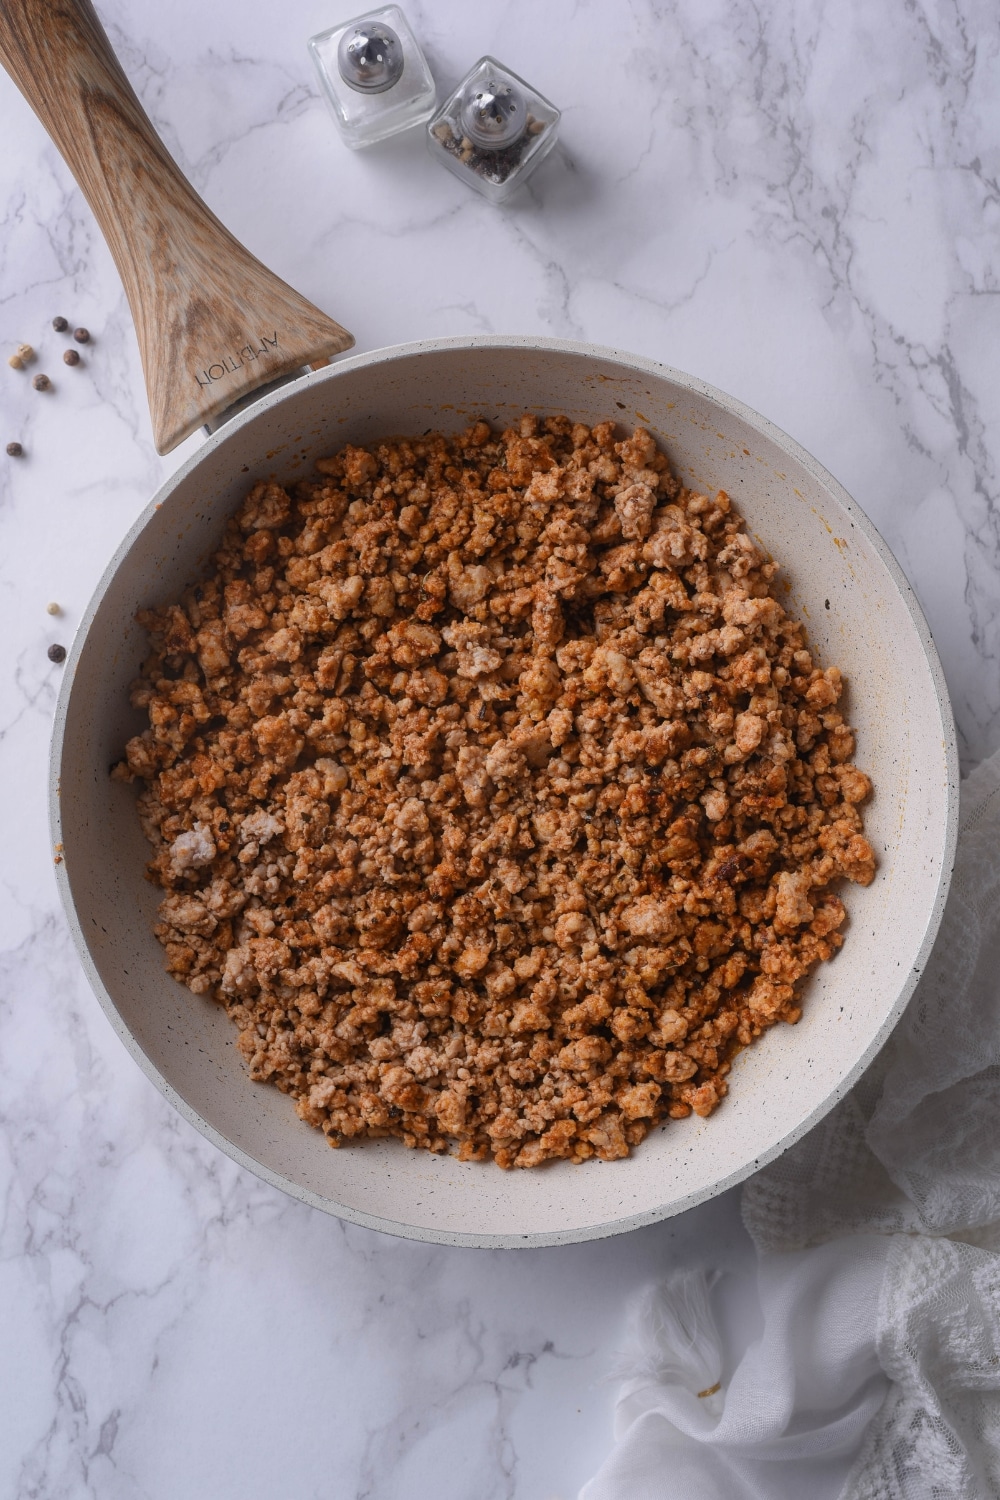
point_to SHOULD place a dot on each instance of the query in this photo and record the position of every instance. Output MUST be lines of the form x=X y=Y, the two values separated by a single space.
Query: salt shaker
x=493 y=130
x=374 y=75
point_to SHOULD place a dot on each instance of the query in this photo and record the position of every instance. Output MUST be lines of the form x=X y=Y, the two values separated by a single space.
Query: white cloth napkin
x=877 y=1374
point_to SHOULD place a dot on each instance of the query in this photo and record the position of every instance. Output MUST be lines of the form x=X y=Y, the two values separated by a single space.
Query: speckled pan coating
x=860 y=614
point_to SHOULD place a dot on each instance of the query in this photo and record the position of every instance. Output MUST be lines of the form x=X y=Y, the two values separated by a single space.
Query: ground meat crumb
x=494 y=793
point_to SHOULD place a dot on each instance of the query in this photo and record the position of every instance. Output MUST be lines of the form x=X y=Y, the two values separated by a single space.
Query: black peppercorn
x=60 y=325
x=41 y=382
x=14 y=450
x=71 y=357
x=57 y=652
x=81 y=335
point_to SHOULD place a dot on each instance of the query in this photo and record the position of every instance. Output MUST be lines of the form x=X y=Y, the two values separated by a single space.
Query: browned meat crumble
x=496 y=796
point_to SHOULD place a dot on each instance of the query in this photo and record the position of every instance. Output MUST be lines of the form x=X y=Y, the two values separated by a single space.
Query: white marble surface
x=799 y=203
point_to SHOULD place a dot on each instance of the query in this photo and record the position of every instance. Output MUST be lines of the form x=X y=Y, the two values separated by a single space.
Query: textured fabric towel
x=877 y=1373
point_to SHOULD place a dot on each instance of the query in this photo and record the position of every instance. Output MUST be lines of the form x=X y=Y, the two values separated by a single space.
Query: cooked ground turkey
x=494 y=793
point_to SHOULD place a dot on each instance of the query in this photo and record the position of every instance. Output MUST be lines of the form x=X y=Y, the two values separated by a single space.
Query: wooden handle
x=213 y=323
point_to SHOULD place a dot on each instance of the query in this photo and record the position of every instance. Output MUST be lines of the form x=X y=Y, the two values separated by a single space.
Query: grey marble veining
x=799 y=203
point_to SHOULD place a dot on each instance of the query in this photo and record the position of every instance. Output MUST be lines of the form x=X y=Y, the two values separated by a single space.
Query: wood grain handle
x=213 y=323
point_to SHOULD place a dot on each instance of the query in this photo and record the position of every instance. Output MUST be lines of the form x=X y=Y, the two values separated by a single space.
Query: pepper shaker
x=494 y=130
x=374 y=75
